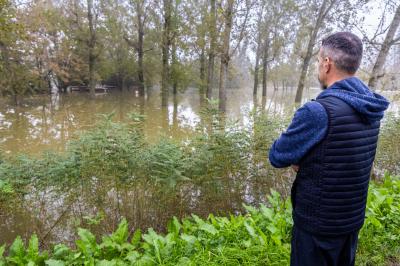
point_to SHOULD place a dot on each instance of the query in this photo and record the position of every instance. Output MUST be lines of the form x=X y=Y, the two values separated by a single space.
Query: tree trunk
x=263 y=103
x=255 y=104
x=225 y=55
x=202 y=71
x=265 y=65
x=258 y=52
x=91 y=46
x=175 y=114
x=7 y=68
x=211 y=54
x=256 y=70
x=174 y=38
x=322 y=12
x=4 y=54
x=202 y=59
x=16 y=99
x=174 y=68
x=92 y=82
x=139 y=11
x=377 y=71
x=166 y=42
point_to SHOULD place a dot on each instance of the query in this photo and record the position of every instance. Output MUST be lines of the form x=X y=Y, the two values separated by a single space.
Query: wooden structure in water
x=98 y=89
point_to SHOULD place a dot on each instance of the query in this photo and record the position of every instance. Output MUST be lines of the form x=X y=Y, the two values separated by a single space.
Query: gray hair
x=345 y=49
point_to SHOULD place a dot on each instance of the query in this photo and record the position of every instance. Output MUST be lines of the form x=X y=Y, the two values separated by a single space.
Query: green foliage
x=217 y=154
x=388 y=152
x=193 y=241
x=260 y=237
x=6 y=189
x=111 y=150
x=380 y=236
x=266 y=129
x=18 y=174
x=19 y=255
x=119 y=154
x=164 y=162
x=116 y=152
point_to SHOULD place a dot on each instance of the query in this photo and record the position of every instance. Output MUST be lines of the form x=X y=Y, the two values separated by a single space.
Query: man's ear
x=327 y=64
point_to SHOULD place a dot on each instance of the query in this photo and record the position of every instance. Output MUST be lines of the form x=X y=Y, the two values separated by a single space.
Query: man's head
x=339 y=57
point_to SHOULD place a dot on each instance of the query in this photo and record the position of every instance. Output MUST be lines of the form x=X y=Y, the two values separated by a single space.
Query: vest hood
x=368 y=104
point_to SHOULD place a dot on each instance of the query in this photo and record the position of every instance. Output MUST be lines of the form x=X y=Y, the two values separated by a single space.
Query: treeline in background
x=48 y=46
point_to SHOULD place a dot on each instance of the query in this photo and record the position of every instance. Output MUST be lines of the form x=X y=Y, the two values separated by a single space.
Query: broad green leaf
x=61 y=251
x=174 y=226
x=151 y=236
x=33 y=247
x=183 y=261
x=137 y=236
x=272 y=228
x=197 y=219
x=52 y=262
x=374 y=221
x=17 y=248
x=250 y=209
x=250 y=230
x=189 y=238
x=2 y=249
x=267 y=212
x=121 y=234
x=132 y=256
x=208 y=228
x=86 y=236
x=106 y=263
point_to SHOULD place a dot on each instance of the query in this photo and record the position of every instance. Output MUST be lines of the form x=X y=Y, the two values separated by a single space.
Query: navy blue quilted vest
x=330 y=190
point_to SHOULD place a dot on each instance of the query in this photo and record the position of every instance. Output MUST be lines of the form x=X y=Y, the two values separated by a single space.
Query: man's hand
x=295 y=168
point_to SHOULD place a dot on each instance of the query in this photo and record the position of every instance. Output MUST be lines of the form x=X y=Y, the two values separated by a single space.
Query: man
x=331 y=144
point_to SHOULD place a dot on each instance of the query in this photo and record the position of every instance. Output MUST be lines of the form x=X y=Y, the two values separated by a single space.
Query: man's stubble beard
x=321 y=84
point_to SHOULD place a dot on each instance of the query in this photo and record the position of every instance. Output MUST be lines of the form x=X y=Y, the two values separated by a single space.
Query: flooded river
x=48 y=122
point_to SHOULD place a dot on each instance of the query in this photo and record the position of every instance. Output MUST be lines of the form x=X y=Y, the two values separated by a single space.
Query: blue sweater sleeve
x=308 y=127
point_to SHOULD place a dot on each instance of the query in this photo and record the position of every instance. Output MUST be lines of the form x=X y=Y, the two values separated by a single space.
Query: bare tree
x=325 y=7
x=390 y=40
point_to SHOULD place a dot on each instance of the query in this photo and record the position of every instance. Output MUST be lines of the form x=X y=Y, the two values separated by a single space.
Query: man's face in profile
x=321 y=73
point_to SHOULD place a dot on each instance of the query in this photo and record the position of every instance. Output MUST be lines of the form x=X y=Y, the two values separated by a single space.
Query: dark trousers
x=310 y=250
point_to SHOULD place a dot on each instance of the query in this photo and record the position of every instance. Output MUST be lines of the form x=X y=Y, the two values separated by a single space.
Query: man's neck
x=337 y=78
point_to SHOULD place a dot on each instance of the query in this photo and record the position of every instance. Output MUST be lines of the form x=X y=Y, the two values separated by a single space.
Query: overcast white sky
x=372 y=13
x=373 y=16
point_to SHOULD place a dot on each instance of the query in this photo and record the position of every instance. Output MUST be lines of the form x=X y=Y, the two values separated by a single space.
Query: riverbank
x=260 y=237
x=113 y=171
